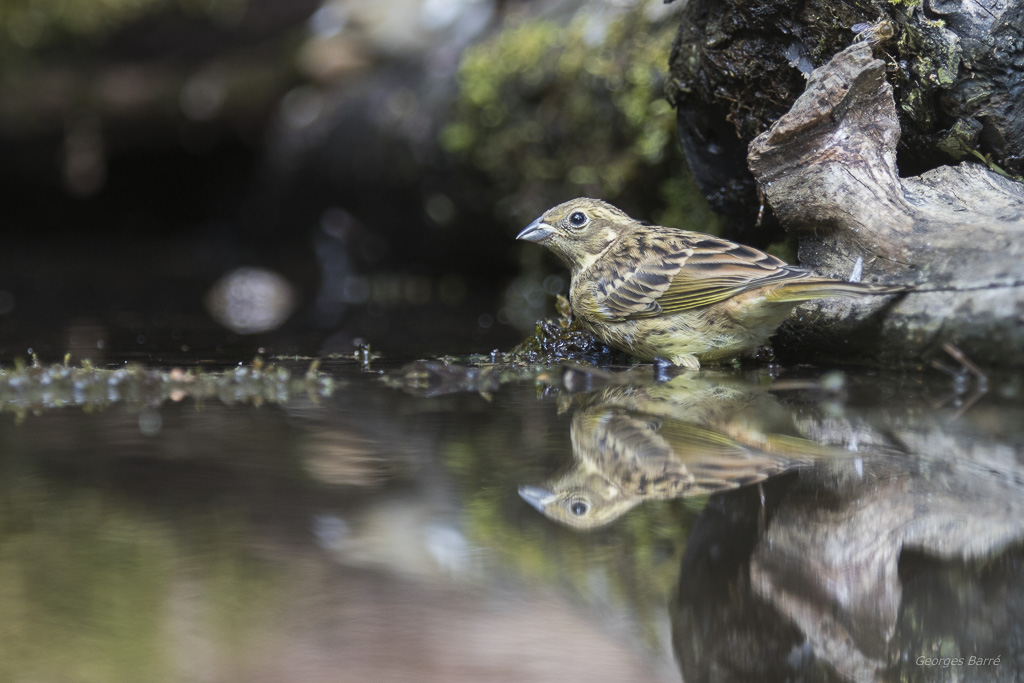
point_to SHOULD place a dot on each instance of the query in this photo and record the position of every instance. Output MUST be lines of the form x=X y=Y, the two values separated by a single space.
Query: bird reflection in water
x=681 y=438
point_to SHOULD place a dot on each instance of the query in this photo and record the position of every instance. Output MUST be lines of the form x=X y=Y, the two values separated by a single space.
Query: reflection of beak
x=535 y=232
x=537 y=497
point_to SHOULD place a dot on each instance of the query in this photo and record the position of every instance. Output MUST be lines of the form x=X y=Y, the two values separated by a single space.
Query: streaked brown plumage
x=676 y=439
x=623 y=459
x=687 y=297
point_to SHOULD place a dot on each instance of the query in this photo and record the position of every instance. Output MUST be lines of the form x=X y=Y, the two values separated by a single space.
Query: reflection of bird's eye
x=578 y=218
x=579 y=508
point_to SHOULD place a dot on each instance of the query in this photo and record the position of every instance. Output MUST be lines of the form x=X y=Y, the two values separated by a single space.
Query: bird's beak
x=536 y=232
x=537 y=497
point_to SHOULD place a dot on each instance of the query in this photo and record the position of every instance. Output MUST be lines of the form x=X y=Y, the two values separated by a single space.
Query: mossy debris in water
x=37 y=387
x=554 y=342
x=564 y=339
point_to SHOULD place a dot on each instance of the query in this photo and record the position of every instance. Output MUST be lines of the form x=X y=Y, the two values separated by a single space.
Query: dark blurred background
x=204 y=176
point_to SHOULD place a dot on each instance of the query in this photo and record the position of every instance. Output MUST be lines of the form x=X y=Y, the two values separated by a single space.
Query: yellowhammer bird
x=669 y=440
x=687 y=297
x=622 y=459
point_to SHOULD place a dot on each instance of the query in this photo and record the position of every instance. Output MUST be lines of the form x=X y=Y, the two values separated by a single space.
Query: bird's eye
x=579 y=508
x=578 y=218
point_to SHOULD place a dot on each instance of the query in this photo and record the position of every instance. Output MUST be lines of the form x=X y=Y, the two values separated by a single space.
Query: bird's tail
x=817 y=288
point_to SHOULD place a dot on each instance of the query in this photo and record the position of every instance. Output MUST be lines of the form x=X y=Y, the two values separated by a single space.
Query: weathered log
x=828 y=169
x=957 y=69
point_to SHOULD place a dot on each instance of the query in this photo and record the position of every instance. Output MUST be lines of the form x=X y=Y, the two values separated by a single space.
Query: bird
x=661 y=293
x=676 y=439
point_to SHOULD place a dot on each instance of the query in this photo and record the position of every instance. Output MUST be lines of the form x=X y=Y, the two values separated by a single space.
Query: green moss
x=934 y=56
x=549 y=111
x=961 y=139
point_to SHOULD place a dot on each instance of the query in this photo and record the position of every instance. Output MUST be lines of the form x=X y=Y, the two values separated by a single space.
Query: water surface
x=755 y=524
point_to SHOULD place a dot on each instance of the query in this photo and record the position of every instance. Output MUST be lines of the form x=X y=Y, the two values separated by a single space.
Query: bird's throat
x=586 y=261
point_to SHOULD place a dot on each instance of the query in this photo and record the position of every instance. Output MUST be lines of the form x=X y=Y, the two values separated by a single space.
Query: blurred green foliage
x=550 y=111
x=34 y=23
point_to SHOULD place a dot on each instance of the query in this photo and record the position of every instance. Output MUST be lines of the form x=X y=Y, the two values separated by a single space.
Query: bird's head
x=580 y=501
x=578 y=231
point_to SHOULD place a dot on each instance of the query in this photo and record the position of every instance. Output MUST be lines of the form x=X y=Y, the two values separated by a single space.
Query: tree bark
x=828 y=169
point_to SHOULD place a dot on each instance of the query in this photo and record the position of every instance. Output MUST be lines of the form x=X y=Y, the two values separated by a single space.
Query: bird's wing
x=679 y=272
x=665 y=458
x=715 y=462
x=603 y=437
